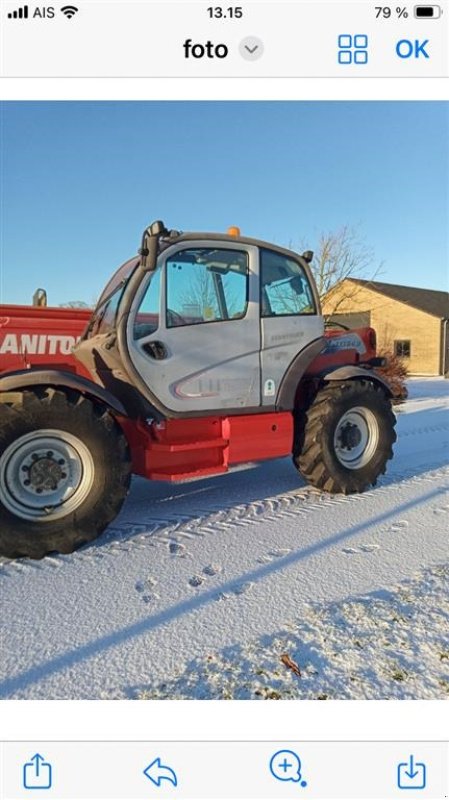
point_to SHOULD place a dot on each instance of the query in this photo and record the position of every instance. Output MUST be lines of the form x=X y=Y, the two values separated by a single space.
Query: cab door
x=194 y=329
x=290 y=317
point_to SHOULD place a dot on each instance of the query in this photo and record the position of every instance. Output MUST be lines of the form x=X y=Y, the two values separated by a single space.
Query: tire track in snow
x=422 y=431
x=173 y=529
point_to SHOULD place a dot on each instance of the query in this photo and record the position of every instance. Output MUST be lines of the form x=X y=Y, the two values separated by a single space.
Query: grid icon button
x=353 y=49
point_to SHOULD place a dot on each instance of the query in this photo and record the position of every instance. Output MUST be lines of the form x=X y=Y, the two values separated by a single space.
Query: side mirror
x=150 y=245
x=308 y=256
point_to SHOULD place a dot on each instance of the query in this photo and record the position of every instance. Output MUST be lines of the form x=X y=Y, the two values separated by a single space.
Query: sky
x=81 y=180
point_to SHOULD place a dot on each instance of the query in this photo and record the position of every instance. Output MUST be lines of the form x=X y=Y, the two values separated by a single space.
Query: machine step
x=182 y=474
x=179 y=447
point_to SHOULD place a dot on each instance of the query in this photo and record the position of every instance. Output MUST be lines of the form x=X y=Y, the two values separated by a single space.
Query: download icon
x=411 y=774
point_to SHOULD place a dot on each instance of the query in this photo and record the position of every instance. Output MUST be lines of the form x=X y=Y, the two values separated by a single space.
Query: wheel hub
x=45 y=475
x=356 y=437
x=350 y=436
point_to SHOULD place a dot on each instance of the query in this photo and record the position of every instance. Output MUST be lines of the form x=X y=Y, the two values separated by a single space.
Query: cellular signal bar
x=21 y=13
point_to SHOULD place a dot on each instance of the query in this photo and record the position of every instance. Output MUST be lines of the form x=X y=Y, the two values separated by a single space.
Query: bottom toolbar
x=224 y=770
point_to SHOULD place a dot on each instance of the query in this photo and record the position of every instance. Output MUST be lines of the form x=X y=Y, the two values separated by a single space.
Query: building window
x=402 y=348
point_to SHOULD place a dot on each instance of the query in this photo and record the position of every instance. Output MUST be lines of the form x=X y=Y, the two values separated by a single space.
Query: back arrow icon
x=158 y=772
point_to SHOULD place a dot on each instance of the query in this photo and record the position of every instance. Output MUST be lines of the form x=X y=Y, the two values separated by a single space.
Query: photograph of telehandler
x=204 y=351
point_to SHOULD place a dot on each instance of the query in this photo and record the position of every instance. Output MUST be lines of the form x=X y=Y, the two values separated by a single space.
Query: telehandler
x=204 y=351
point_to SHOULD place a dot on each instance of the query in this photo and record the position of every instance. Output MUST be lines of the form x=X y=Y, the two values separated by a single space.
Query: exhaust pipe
x=40 y=298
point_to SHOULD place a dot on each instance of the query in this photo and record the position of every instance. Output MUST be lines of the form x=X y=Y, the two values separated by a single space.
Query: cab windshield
x=104 y=316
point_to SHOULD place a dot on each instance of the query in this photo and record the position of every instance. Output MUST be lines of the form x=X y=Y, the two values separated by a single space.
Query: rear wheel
x=345 y=438
x=64 y=471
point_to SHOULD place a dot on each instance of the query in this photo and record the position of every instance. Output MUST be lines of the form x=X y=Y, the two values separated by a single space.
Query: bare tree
x=339 y=255
x=200 y=298
x=285 y=298
x=75 y=304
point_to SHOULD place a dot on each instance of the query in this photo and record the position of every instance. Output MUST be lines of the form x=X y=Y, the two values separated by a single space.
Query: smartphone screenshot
x=224 y=400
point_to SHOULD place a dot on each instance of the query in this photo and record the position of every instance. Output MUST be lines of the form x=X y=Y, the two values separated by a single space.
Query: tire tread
x=312 y=437
x=28 y=408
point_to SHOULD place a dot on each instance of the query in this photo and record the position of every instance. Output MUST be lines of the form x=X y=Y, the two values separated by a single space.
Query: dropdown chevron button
x=251 y=48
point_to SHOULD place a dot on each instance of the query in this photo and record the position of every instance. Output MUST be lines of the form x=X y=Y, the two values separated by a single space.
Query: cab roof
x=225 y=237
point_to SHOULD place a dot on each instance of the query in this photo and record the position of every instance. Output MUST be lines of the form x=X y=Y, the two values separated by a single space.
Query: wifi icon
x=69 y=11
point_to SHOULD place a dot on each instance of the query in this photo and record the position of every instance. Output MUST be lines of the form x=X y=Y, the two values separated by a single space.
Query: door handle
x=156 y=350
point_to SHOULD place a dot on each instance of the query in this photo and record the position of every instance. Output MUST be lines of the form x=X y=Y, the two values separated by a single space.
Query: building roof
x=428 y=300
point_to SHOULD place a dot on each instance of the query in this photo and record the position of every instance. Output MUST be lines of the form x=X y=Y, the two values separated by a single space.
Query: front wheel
x=64 y=471
x=345 y=438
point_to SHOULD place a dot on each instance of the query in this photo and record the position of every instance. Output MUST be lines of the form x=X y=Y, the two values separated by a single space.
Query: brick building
x=411 y=322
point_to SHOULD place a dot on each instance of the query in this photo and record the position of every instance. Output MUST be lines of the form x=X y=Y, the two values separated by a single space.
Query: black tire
x=316 y=454
x=30 y=417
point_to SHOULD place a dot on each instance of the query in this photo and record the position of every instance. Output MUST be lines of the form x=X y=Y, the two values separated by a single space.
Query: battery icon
x=428 y=12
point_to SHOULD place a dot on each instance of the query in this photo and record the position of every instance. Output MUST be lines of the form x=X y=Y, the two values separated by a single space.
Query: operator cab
x=209 y=322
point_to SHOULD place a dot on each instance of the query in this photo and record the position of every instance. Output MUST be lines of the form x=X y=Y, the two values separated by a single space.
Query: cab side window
x=285 y=289
x=206 y=285
x=147 y=317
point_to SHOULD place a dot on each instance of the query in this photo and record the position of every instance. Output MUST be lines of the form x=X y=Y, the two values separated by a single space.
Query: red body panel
x=36 y=337
x=40 y=337
x=180 y=449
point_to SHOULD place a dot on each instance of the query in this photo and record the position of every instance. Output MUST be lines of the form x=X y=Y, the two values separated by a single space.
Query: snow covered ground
x=228 y=587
